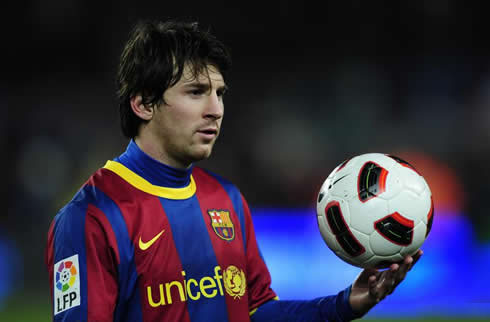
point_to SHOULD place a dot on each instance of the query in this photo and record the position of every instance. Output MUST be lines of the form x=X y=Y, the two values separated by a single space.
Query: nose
x=214 y=108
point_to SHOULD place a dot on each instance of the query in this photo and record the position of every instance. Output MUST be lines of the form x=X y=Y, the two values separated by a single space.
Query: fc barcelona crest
x=222 y=224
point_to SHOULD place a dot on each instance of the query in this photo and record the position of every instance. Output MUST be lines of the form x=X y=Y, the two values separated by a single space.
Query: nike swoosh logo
x=145 y=246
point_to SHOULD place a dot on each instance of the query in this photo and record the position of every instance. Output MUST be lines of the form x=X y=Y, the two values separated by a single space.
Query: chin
x=202 y=154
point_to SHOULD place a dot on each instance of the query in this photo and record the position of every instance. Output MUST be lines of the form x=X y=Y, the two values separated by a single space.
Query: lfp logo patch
x=66 y=284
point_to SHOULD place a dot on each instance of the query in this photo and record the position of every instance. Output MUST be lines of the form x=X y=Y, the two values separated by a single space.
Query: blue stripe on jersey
x=196 y=254
x=236 y=200
x=128 y=306
x=69 y=239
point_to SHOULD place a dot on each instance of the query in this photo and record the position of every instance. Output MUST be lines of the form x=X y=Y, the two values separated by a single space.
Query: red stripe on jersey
x=212 y=197
x=259 y=278
x=103 y=255
x=49 y=259
x=157 y=260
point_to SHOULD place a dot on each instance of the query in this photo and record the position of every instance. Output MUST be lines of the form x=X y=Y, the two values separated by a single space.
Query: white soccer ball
x=374 y=209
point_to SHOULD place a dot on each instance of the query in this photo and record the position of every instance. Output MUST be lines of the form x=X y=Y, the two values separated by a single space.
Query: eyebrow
x=203 y=86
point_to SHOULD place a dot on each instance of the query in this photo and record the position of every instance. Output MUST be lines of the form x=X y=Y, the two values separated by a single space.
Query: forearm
x=329 y=308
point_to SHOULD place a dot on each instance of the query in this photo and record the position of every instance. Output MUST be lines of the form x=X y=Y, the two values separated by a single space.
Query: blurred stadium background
x=312 y=85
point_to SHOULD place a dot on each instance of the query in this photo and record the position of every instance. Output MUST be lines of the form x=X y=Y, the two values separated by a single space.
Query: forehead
x=209 y=74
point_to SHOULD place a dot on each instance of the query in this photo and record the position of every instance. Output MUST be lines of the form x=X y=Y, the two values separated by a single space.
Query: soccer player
x=152 y=237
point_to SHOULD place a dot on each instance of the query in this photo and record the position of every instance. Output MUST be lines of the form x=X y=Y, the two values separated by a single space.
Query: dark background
x=312 y=84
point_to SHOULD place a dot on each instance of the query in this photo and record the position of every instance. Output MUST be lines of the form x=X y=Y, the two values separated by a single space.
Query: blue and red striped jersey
x=146 y=252
x=142 y=241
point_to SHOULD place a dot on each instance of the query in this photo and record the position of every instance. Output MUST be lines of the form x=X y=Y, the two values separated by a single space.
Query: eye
x=221 y=92
x=196 y=91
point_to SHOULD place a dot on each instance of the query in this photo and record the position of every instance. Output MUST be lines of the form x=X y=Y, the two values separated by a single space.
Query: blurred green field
x=26 y=308
x=37 y=308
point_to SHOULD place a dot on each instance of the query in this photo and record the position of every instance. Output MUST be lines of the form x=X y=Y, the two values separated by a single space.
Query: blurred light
x=43 y=168
x=447 y=190
x=10 y=269
x=284 y=144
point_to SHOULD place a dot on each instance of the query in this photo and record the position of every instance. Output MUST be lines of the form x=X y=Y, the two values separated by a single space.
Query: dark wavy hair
x=154 y=58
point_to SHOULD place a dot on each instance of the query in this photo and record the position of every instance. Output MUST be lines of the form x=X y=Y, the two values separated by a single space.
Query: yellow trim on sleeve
x=143 y=185
x=255 y=310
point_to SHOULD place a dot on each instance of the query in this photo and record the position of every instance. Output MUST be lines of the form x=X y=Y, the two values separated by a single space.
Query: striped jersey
x=141 y=241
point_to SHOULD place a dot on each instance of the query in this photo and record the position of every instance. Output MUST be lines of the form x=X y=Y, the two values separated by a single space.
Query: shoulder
x=88 y=196
x=208 y=177
x=210 y=183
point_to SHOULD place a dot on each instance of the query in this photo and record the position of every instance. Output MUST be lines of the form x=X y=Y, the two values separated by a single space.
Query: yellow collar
x=143 y=185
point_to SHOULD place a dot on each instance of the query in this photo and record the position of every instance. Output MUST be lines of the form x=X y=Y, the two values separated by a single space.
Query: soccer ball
x=374 y=209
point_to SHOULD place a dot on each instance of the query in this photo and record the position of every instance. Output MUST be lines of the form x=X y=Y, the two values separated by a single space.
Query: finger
x=362 y=278
x=387 y=275
x=369 y=272
x=416 y=257
x=373 y=288
x=372 y=282
x=394 y=268
x=383 y=284
x=402 y=271
x=390 y=279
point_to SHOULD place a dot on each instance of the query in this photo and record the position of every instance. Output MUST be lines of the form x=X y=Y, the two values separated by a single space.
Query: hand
x=372 y=285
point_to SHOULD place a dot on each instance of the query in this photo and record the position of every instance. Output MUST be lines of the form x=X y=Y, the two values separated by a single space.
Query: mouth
x=209 y=133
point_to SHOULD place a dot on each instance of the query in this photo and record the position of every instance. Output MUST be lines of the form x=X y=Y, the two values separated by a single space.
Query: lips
x=208 y=131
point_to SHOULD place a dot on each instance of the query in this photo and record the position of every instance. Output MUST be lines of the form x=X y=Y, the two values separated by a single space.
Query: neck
x=154 y=171
x=147 y=144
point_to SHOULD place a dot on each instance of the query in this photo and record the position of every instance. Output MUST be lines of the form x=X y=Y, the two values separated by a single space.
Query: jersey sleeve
x=328 y=308
x=258 y=276
x=82 y=260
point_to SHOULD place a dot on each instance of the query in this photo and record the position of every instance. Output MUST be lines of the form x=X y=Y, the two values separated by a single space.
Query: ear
x=143 y=111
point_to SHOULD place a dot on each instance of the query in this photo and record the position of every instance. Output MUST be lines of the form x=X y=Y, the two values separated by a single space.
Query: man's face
x=186 y=127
